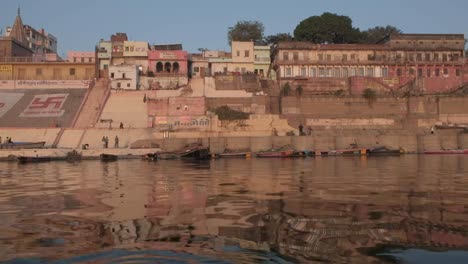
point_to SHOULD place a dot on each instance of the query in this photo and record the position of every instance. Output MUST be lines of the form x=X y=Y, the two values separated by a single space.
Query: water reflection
x=335 y=209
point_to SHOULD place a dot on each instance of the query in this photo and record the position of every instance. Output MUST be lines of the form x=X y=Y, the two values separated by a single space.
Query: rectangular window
x=328 y=57
x=238 y=53
x=411 y=71
x=285 y=56
x=337 y=73
x=288 y=72
x=352 y=72
x=132 y=48
x=444 y=57
x=74 y=59
x=384 y=72
x=313 y=72
x=321 y=72
x=126 y=49
x=370 y=72
x=353 y=56
x=246 y=53
x=295 y=56
x=72 y=71
x=82 y=59
x=320 y=57
x=419 y=57
x=344 y=57
x=128 y=84
x=436 y=56
x=458 y=72
x=399 y=72
x=437 y=72
x=306 y=56
x=196 y=69
x=38 y=71
x=329 y=72
x=370 y=57
x=420 y=72
x=345 y=72
x=411 y=57
x=428 y=72
x=112 y=75
x=123 y=76
x=303 y=71
x=445 y=71
x=360 y=71
x=428 y=57
x=119 y=85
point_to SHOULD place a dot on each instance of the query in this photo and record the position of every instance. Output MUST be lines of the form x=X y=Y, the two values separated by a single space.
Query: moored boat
x=276 y=154
x=199 y=153
x=384 y=151
x=246 y=154
x=23 y=145
x=28 y=159
x=108 y=157
x=447 y=151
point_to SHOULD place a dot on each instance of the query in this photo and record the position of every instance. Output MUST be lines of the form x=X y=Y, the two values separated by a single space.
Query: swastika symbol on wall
x=45 y=105
x=56 y=102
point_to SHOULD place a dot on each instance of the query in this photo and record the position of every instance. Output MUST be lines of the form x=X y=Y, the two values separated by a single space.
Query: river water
x=312 y=210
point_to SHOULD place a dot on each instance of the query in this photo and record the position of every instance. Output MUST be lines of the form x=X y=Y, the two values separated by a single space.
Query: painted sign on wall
x=180 y=122
x=6 y=68
x=45 y=105
x=7 y=101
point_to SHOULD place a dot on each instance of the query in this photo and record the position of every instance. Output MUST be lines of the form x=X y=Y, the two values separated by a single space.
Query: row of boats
x=203 y=153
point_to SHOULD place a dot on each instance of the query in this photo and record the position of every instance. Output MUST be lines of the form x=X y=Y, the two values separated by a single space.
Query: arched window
x=167 y=67
x=159 y=67
x=175 y=67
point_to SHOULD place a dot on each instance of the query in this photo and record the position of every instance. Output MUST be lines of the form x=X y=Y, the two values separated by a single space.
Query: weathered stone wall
x=250 y=83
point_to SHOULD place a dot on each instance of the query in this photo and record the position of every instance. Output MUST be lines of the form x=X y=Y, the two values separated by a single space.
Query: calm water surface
x=410 y=209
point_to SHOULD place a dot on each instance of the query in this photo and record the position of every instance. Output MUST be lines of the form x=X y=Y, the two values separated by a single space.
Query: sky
x=79 y=25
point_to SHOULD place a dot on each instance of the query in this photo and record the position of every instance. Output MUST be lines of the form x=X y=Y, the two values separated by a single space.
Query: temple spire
x=19 y=11
x=17 y=30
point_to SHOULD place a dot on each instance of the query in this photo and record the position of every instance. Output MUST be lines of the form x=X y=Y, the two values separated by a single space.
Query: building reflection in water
x=324 y=210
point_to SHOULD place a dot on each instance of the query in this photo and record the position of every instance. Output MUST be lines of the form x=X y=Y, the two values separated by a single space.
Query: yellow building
x=242 y=56
x=47 y=71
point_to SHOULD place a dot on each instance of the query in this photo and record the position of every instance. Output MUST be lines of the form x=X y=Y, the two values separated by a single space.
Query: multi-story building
x=136 y=53
x=168 y=60
x=14 y=45
x=398 y=59
x=242 y=56
x=39 y=41
x=262 y=61
x=81 y=56
x=124 y=77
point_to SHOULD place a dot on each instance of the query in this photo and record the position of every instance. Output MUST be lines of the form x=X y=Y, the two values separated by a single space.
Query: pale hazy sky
x=79 y=25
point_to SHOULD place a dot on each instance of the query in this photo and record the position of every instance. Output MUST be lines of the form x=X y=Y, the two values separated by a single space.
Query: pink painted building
x=81 y=56
x=165 y=61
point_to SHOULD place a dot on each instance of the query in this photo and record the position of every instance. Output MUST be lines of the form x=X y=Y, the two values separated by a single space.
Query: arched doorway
x=159 y=67
x=175 y=67
x=167 y=67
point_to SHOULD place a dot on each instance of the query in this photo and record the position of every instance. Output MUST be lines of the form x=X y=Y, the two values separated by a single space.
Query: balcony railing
x=16 y=59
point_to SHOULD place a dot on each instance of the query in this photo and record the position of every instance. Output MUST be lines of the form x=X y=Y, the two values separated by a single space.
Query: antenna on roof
x=19 y=10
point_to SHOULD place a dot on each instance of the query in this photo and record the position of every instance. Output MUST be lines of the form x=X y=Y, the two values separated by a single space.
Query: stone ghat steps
x=93 y=105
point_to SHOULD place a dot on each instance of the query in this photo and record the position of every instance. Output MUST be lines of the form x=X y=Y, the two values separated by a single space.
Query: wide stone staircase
x=93 y=104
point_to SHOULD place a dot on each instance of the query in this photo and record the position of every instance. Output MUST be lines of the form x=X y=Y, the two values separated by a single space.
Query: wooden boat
x=447 y=151
x=168 y=156
x=350 y=151
x=276 y=154
x=108 y=157
x=23 y=145
x=199 y=153
x=384 y=151
x=28 y=159
x=246 y=154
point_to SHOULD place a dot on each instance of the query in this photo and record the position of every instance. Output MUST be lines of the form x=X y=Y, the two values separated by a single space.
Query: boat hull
x=26 y=159
x=235 y=155
x=23 y=145
x=447 y=151
x=108 y=157
x=275 y=154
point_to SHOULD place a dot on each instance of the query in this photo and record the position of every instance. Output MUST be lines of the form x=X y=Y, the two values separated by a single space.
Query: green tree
x=246 y=31
x=373 y=35
x=274 y=39
x=327 y=28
